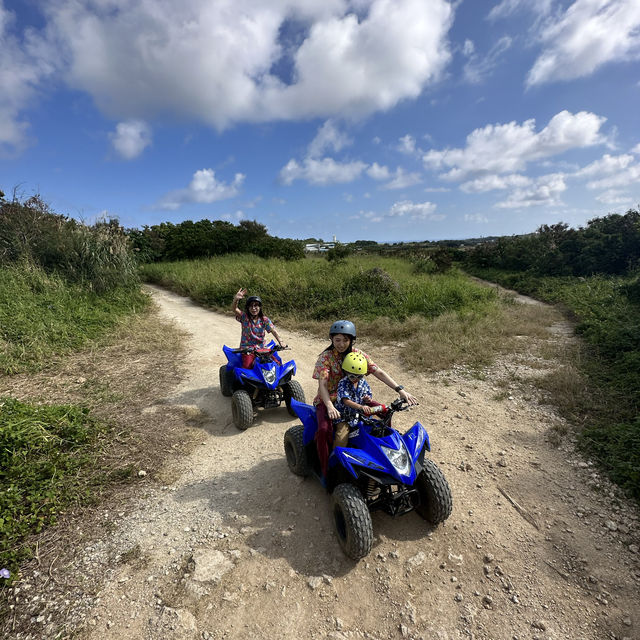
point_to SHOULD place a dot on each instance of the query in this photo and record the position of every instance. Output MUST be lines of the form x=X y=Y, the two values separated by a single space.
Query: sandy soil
x=538 y=545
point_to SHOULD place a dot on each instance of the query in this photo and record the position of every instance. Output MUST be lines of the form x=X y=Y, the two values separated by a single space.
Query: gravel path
x=538 y=545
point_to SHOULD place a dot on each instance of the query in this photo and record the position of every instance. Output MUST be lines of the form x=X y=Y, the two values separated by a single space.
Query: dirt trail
x=238 y=547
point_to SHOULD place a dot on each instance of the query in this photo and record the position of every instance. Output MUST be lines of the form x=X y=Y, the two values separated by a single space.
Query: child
x=254 y=326
x=353 y=393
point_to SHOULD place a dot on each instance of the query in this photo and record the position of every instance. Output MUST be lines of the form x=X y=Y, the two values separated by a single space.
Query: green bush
x=190 y=240
x=42 y=448
x=608 y=245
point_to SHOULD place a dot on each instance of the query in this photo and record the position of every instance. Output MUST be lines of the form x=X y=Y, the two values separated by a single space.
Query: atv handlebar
x=261 y=350
x=397 y=405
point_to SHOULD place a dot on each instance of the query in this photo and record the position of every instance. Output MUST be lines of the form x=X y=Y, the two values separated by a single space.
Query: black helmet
x=251 y=299
x=345 y=327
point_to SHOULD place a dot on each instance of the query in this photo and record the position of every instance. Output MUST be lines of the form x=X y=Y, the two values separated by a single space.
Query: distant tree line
x=607 y=245
x=206 y=238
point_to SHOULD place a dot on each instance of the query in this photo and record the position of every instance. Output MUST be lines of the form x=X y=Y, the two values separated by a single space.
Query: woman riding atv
x=328 y=371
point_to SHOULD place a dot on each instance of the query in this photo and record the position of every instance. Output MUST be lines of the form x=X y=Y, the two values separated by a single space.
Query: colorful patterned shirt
x=357 y=393
x=253 y=331
x=329 y=368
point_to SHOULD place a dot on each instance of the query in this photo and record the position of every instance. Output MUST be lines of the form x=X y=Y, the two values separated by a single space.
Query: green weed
x=43 y=315
x=42 y=449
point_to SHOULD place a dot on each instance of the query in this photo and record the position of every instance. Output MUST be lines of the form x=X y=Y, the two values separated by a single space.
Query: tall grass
x=43 y=316
x=98 y=256
x=366 y=286
x=436 y=320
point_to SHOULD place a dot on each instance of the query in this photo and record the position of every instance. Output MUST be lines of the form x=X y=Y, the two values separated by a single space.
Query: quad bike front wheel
x=436 y=502
x=242 y=409
x=294 y=450
x=352 y=521
x=293 y=389
x=226 y=384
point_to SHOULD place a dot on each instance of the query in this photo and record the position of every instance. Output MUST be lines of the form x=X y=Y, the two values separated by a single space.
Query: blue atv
x=380 y=469
x=267 y=384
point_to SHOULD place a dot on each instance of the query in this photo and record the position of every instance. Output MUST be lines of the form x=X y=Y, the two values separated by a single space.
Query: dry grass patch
x=470 y=339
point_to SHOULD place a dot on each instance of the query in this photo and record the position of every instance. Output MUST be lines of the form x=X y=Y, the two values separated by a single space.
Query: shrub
x=41 y=449
x=97 y=256
x=338 y=253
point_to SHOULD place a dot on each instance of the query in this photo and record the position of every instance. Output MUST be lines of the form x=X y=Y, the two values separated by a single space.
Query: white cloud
x=403 y=179
x=476 y=218
x=378 y=172
x=506 y=148
x=476 y=69
x=215 y=62
x=606 y=165
x=414 y=210
x=636 y=149
x=370 y=216
x=131 y=138
x=329 y=137
x=615 y=197
x=493 y=182
x=545 y=191
x=236 y=216
x=405 y=211
x=203 y=188
x=589 y=34
x=24 y=63
x=407 y=144
x=508 y=7
x=322 y=171
x=400 y=179
x=622 y=179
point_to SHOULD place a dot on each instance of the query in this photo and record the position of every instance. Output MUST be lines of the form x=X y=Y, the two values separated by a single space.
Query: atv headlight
x=399 y=458
x=269 y=376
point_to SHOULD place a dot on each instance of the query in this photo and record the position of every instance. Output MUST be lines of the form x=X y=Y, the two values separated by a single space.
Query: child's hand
x=241 y=293
x=366 y=399
x=366 y=410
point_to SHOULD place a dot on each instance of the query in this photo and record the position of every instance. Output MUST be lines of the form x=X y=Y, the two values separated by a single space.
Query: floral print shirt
x=329 y=368
x=253 y=331
x=356 y=394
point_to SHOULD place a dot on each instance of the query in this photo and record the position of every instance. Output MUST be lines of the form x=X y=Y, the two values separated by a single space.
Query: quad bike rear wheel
x=294 y=451
x=242 y=409
x=436 y=502
x=293 y=389
x=226 y=382
x=352 y=521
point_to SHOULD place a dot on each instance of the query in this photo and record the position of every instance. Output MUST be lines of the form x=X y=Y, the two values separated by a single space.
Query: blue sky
x=382 y=120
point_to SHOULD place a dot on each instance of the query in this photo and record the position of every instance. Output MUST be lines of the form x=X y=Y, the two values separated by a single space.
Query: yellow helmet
x=355 y=363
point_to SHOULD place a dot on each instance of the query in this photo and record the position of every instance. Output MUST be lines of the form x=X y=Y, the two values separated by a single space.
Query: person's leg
x=324 y=435
x=341 y=438
x=247 y=360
